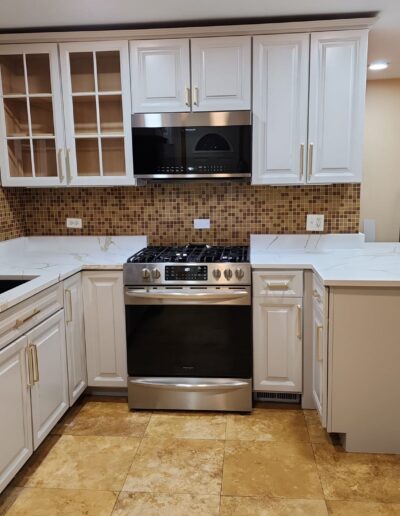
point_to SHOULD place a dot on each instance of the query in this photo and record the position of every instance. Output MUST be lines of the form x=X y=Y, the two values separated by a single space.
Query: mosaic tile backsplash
x=165 y=212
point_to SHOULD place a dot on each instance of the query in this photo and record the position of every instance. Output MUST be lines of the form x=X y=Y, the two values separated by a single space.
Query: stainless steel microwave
x=179 y=146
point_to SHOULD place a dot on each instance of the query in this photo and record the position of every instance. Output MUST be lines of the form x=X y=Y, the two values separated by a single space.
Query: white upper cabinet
x=338 y=66
x=31 y=117
x=280 y=108
x=97 y=107
x=221 y=73
x=160 y=74
x=202 y=74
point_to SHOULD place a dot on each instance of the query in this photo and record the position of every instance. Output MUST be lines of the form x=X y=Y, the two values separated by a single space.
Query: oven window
x=192 y=340
x=191 y=150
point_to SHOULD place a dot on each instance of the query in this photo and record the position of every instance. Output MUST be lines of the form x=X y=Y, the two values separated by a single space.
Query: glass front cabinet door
x=96 y=89
x=31 y=118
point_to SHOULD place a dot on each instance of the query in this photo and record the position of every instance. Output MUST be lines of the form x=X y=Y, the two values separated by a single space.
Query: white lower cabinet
x=15 y=411
x=277 y=344
x=105 y=328
x=75 y=337
x=49 y=392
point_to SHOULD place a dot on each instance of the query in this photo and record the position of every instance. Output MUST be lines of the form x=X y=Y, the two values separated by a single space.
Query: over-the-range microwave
x=192 y=146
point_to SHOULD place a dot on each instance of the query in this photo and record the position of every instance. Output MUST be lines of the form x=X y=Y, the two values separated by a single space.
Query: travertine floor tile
x=278 y=470
x=358 y=476
x=60 y=502
x=261 y=506
x=187 y=426
x=340 y=508
x=8 y=497
x=268 y=425
x=83 y=462
x=177 y=466
x=317 y=433
x=151 y=504
x=104 y=418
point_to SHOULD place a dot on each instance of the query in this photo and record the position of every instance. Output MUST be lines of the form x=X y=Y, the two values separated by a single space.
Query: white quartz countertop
x=53 y=259
x=339 y=260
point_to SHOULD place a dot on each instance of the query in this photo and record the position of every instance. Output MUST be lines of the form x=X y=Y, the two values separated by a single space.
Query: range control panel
x=186 y=273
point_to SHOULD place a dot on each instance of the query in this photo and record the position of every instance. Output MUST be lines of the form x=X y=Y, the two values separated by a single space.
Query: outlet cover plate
x=74 y=223
x=201 y=223
x=315 y=222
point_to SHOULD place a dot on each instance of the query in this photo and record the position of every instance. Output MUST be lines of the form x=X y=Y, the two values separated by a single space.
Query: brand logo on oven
x=188 y=368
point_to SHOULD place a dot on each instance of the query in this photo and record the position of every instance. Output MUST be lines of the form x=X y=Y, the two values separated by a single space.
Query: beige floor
x=102 y=459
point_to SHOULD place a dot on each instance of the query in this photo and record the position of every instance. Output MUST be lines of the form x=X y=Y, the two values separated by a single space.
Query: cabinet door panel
x=31 y=117
x=49 y=393
x=105 y=329
x=221 y=73
x=277 y=327
x=160 y=73
x=280 y=108
x=15 y=411
x=337 y=103
x=97 y=104
x=75 y=337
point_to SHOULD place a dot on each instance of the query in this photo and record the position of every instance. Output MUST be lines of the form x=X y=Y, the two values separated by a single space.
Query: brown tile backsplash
x=12 y=213
x=165 y=212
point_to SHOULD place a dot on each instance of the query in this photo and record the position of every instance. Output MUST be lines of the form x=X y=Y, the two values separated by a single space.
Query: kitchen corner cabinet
x=329 y=99
x=201 y=74
x=75 y=337
x=104 y=311
x=278 y=331
x=97 y=107
x=49 y=390
x=15 y=410
x=31 y=116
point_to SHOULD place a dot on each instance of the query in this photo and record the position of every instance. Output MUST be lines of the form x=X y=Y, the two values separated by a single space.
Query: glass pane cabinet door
x=96 y=86
x=31 y=124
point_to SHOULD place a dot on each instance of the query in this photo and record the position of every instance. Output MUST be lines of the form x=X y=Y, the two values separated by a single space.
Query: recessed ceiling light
x=378 y=65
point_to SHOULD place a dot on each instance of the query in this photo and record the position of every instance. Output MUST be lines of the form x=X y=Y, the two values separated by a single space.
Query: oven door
x=197 y=332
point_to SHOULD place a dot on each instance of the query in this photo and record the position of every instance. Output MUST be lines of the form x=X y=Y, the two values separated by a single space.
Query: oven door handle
x=188 y=295
x=180 y=386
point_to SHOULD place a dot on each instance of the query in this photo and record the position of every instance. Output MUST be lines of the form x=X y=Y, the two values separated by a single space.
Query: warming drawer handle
x=235 y=294
x=191 y=387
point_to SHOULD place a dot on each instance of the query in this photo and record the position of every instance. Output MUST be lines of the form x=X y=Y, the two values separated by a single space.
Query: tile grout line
x=223 y=465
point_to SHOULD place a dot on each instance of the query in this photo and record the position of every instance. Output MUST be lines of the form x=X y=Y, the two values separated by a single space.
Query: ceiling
x=384 y=36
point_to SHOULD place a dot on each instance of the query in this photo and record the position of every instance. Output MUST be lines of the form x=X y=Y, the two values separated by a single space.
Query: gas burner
x=191 y=253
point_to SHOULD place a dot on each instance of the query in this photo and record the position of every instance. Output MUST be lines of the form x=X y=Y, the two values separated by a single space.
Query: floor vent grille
x=281 y=397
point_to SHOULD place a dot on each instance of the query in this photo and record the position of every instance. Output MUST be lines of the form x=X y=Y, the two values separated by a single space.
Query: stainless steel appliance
x=189 y=328
x=210 y=145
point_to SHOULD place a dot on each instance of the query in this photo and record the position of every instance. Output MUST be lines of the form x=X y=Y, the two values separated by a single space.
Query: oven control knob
x=216 y=273
x=239 y=273
x=228 y=274
x=145 y=273
x=155 y=273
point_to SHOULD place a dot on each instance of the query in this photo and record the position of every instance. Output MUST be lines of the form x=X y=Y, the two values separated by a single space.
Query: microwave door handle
x=187 y=295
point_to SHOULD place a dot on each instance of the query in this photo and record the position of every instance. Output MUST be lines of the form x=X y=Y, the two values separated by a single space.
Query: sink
x=8 y=284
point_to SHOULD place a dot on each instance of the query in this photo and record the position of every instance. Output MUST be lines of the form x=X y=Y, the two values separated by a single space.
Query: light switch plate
x=315 y=222
x=74 y=223
x=201 y=223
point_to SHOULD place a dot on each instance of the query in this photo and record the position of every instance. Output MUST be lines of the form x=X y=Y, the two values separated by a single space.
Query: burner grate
x=191 y=253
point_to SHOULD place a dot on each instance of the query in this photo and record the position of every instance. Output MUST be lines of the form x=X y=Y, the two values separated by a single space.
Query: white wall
x=380 y=190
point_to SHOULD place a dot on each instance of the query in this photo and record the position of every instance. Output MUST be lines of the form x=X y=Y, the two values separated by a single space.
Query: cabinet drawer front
x=278 y=283
x=21 y=318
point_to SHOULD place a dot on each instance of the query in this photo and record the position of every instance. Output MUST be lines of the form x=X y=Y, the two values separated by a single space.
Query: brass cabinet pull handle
x=319 y=350
x=69 y=296
x=60 y=165
x=301 y=161
x=310 y=159
x=20 y=322
x=35 y=363
x=278 y=285
x=187 y=97
x=29 y=361
x=68 y=163
x=299 y=322
x=316 y=295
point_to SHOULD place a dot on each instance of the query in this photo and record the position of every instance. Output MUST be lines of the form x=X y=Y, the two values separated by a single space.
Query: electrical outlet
x=74 y=223
x=315 y=222
x=201 y=223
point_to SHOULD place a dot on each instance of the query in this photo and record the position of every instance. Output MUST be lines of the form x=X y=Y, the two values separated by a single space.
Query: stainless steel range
x=189 y=328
